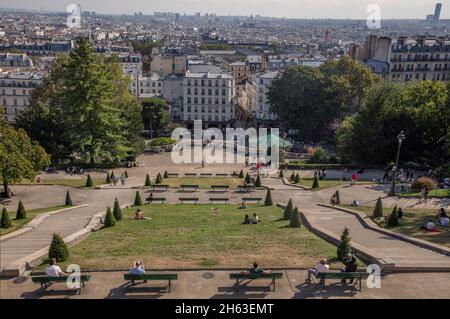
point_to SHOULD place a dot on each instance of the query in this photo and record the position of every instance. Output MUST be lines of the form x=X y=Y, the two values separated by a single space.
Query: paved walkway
x=217 y=285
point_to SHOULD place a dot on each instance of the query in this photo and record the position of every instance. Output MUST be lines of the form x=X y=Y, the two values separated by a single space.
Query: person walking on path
x=354 y=179
x=122 y=179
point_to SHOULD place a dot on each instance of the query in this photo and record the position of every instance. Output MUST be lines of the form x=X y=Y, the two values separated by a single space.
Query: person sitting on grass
x=443 y=218
x=319 y=268
x=430 y=226
x=255 y=219
x=256 y=269
x=53 y=270
x=351 y=265
x=139 y=215
x=247 y=220
x=243 y=206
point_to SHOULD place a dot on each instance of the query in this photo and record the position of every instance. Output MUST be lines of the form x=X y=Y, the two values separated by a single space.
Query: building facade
x=147 y=86
x=257 y=95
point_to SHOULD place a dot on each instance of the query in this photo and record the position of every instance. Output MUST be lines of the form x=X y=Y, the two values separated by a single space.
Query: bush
x=393 y=220
x=292 y=178
x=166 y=175
x=89 y=182
x=297 y=179
x=319 y=156
x=162 y=141
x=159 y=179
x=108 y=179
x=288 y=210
x=281 y=174
x=68 y=199
x=338 y=198
x=148 y=181
x=126 y=174
x=378 y=211
x=268 y=201
x=295 y=219
x=110 y=221
x=315 y=184
x=241 y=174
x=137 y=199
x=58 y=249
x=5 y=222
x=422 y=182
x=258 y=181
x=21 y=212
x=344 y=247
x=117 y=211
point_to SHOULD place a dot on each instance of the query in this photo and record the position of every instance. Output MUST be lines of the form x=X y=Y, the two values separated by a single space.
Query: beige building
x=168 y=64
x=241 y=72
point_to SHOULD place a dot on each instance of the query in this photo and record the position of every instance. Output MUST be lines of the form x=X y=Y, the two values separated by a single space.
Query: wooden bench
x=190 y=174
x=220 y=200
x=252 y=200
x=161 y=200
x=246 y=188
x=44 y=281
x=272 y=276
x=220 y=187
x=189 y=187
x=221 y=175
x=151 y=277
x=160 y=187
x=172 y=175
x=356 y=276
x=206 y=175
x=187 y=199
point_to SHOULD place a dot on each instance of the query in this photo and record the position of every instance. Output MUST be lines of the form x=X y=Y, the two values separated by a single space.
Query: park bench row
x=201 y=175
x=45 y=281
x=242 y=188
x=184 y=200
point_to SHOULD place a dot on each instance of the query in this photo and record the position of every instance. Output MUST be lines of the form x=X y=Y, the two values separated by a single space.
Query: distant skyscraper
x=437 y=12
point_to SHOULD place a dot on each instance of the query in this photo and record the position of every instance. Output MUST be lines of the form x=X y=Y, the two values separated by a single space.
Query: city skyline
x=301 y=9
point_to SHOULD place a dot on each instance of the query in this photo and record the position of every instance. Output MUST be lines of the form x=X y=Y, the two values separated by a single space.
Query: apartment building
x=147 y=86
x=166 y=64
x=15 y=91
x=241 y=72
x=256 y=95
x=208 y=97
x=15 y=60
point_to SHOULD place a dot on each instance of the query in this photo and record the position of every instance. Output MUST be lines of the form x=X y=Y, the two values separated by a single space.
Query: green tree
x=21 y=212
x=295 y=219
x=148 y=181
x=117 y=211
x=268 y=201
x=378 y=211
x=159 y=179
x=137 y=199
x=166 y=175
x=108 y=179
x=247 y=179
x=315 y=184
x=89 y=182
x=110 y=220
x=68 y=201
x=297 y=179
x=155 y=115
x=345 y=246
x=58 y=249
x=288 y=210
x=241 y=174
x=393 y=220
x=319 y=156
x=5 y=222
x=338 y=198
x=19 y=156
x=258 y=181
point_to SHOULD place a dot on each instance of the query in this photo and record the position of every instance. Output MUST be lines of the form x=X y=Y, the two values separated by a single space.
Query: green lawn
x=327 y=183
x=17 y=224
x=187 y=236
x=436 y=193
x=412 y=220
x=70 y=182
x=203 y=182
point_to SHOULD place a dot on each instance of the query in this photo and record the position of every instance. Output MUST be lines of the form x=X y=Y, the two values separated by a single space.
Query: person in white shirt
x=53 y=270
x=319 y=268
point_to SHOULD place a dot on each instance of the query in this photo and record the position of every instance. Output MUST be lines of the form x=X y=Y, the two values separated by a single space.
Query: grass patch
x=411 y=222
x=327 y=183
x=203 y=182
x=435 y=193
x=18 y=224
x=69 y=182
x=189 y=236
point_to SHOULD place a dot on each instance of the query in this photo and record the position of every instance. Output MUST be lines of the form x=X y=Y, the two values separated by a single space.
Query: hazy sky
x=354 y=9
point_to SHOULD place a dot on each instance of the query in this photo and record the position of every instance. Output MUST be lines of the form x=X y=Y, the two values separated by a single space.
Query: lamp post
x=401 y=137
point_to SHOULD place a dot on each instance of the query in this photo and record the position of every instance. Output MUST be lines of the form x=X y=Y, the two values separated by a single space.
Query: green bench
x=221 y=175
x=206 y=175
x=44 y=281
x=189 y=187
x=160 y=187
x=161 y=200
x=190 y=174
x=220 y=187
x=271 y=276
x=172 y=175
x=252 y=200
x=356 y=276
x=219 y=200
x=188 y=199
x=151 y=277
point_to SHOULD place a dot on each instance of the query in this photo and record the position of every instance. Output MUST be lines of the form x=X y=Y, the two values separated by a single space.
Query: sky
x=316 y=9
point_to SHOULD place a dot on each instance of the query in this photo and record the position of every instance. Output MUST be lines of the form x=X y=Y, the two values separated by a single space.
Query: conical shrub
x=292 y=178
x=108 y=179
x=378 y=211
x=344 y=247
x=68 y=201
x=166 y=175
x=315 y=184
x=89 y=182
x=258 y=181
x=281 y=174
x=117 y=211
x=248 y=180
x=126 y=174
x=393 y=220
x=58 y=249
x=295 y=219
x=268 y=201
x=159 y=179
x=288 y=210
x=338 y=198
x=241 y=174
x=148 y=181
x=21 y=212
x=297 y=179
x=5 y=222
x=110 y=221
x=137 y=199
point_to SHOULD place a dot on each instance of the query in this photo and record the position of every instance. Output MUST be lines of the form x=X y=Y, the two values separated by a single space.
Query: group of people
x=350 y=263
x=320 y=174
x=122 y=178
x=251 y=221
x=443 y=220
x=73 y=170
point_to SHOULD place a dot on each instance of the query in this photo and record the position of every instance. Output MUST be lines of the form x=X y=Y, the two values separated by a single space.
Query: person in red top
x=354 y=178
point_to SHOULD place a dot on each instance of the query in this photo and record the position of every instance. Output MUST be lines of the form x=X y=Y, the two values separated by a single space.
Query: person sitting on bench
x=255 y=219
x=150 y=198
x=319 y=268
x=53 y=270
x=351 y=265
x=256 y=269
x=138 y=268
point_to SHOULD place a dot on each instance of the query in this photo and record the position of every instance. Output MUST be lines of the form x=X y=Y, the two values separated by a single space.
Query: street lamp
x=401 y=137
